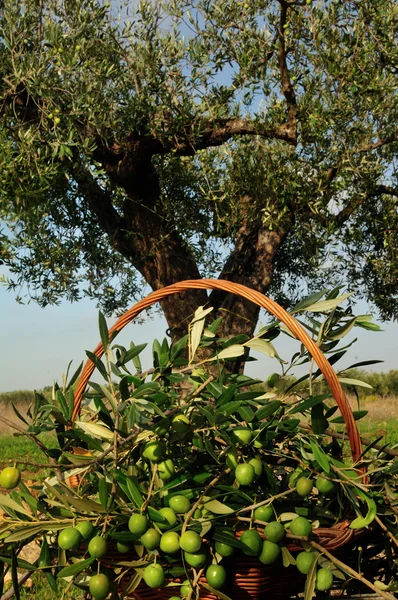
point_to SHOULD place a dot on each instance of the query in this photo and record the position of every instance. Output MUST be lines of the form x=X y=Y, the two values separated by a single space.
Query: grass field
x=381 y=420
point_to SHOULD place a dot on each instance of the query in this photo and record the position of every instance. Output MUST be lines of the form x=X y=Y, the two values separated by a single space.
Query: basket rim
x=261 y=300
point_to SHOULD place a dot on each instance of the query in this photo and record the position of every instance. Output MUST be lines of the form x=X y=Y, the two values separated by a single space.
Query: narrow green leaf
x=309 y=589
x=71 y=403
x=230 y=407
x=44 y=559
x=77 y=435
x=341 y=331
x=320 y=456
x=96 y=430
x=103 y=330
x=52 y=582
x=155 y=515
x=247 y=414
x=217 y=507
x=260 y=345
x=133 y=353
x=357 y=382
x=112 y=401
x=358 y=414
x=75 y=375
x=369 y=326
x=21 y=564
x=195 y=330
x=86 y=506
x=63 y=404
x=133 y=583
x=206 y=412
x=60 y=497
x=365 y=521
x=146 y=389
x=318 y=422
x=308 y=301
x=327 y=305
x=233 y=351
x=226 y=396
x=27 y=496
x=308 y=403
x=210 y=450
x=287 y=558
x=226 y=536
x=363 y=363
x=268 y=409
x=134 y=492
x=103 y=492
x=20 y=417
x=76 y=568
x=14 y=574
x=7 y=502
x=98 y=363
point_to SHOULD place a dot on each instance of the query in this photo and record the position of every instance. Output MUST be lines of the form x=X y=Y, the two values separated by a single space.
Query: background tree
x=257 y=141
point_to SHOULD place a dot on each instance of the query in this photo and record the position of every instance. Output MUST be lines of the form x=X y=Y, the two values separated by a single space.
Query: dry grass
x=382 y=417
x=379 y=408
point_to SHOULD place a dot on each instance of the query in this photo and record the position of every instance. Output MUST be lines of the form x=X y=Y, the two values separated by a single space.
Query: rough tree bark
x=153 y=245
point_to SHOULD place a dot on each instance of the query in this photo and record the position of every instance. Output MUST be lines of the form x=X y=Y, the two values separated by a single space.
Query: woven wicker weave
x=250 y=580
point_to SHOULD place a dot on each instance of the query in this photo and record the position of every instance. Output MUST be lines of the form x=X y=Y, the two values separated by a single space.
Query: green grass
x=41 y=590
x=371 y=429
x=14 y=448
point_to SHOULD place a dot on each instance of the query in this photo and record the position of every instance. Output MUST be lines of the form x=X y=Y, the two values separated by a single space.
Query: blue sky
x=37 y=344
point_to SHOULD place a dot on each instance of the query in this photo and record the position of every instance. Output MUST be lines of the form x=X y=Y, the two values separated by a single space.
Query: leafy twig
x=386 y=531
x=212 y=483
x=267 y=501
x=149 y=495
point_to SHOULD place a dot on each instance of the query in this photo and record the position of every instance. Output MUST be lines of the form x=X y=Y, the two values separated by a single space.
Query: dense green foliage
x=154 y=144
x=382 y=384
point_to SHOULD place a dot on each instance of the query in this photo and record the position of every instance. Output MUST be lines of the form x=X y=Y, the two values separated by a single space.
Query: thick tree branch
x=348 y=211
x=100 y=204
x=143 y=236
x=385 y=189
x=382 y=141
x=135 y=153
x=250 y=263
x=216 y=133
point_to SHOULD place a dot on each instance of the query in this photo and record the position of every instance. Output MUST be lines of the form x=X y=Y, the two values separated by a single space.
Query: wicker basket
x=251 y=580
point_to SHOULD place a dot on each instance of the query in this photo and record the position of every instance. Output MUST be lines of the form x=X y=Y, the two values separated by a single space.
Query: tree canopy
x=168 y=140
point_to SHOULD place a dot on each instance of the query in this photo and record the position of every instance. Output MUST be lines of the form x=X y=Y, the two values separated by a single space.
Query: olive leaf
x=76 y=568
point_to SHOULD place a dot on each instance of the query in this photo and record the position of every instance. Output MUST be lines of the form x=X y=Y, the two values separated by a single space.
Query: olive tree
x=168 y=140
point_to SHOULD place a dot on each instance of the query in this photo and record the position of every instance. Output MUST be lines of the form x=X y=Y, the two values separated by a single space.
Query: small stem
x=212 y=483
x=194 y=584
x=150 y=489
x=267 y=501
x=351 y=571
x=386 y=531
x=201 y=388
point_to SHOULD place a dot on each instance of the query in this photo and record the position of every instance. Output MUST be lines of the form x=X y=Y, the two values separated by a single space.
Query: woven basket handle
x=235 y=288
